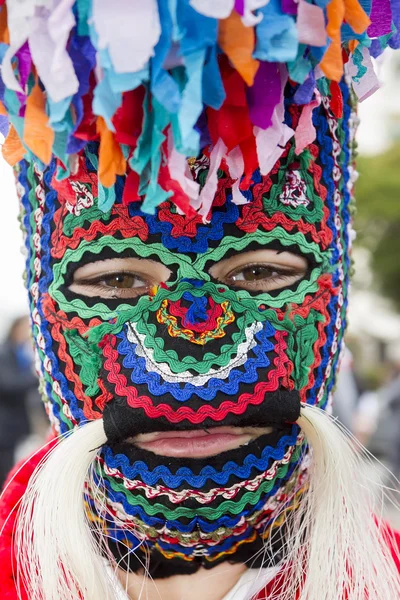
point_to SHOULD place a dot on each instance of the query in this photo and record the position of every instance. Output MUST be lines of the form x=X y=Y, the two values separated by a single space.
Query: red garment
x=15 y=488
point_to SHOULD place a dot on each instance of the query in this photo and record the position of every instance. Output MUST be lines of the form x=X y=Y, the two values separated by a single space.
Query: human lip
x=197 y=443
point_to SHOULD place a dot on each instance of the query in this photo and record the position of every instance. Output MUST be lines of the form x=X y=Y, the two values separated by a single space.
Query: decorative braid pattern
x=193 y=352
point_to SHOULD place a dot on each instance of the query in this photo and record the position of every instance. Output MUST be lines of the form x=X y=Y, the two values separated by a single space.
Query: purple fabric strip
x=305 y=92
x=24 y=67
x=202 y=128
x=375 y=48
x=289 y=7
x=264 y=95
x=381 y=18
x=4 y=125
x=239 y=7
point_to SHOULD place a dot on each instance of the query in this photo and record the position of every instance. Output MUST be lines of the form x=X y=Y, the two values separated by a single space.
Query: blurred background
x=367 y=398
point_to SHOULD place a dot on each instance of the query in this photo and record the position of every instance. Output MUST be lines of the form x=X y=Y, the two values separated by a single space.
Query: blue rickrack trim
x=325 y=352
x=196 y=522
x=29 y=210
x=205 y=233
x=346 y=217
x=158 y=387
x=139 y=469
x=23 y=180
x=44 y=283
x=326 y=146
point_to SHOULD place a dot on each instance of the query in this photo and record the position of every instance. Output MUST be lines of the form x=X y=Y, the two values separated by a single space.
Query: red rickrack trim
x=311 y=302
x=59 y=321
x=204 y=498
x=64 y=189
x=122 y=224
x=205 y=411
x=216 y=310
x=254 y=217
x=181 y=225
x=53 y=315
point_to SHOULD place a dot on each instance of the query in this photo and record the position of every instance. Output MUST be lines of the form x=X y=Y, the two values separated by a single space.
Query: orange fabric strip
x=237 y=41
x=13 y=150
x=3 y=110
x=332 y=63
x=355 y=16
x=38 y=136
x=4 y=33
x=111 y=159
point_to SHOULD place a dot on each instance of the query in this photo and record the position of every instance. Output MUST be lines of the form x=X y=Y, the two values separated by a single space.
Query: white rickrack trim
x=165 y=372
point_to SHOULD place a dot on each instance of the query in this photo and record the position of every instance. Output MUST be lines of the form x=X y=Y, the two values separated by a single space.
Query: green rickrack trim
x=91 y=215
x=272 y=204
x=55 y=399
x=187 y=269
x=247 y=305
x=227 y=507
x=240 y=301
x=35 y=205
x=209 y=359
x=135 y=313
x=262 y=238
x=286 y=297
x=300 y=348
x=95 y=247
x=88 y=357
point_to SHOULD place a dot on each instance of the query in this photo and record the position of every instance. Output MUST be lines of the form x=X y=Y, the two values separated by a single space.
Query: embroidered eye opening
x=118 y=278
x=261 y=270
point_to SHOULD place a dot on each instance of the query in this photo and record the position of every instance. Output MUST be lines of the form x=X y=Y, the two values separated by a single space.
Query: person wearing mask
x=186 y=176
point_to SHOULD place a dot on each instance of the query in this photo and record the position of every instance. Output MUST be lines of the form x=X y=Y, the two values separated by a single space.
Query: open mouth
x=199 y=443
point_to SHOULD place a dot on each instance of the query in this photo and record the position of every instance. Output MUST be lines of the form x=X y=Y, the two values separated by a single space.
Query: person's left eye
x=261 y=270
x=262 y=277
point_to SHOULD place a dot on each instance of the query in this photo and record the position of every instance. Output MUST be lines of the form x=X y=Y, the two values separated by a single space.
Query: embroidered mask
x=230 y=320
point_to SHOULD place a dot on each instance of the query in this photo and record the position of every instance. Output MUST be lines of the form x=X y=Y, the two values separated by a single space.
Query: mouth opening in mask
x=199 y=443
x=140 y=438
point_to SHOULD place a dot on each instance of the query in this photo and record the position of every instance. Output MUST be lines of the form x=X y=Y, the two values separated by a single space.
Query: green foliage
x=377 y=220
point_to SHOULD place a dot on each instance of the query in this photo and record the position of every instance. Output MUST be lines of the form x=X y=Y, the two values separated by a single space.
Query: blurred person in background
x=347 y=392
x=17 y=384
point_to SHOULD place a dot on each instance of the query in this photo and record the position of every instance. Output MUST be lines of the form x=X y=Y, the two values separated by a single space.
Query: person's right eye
x=118 y=278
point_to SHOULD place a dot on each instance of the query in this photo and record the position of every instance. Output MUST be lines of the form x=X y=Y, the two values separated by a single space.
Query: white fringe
x=336 y=549
x=58 y=557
